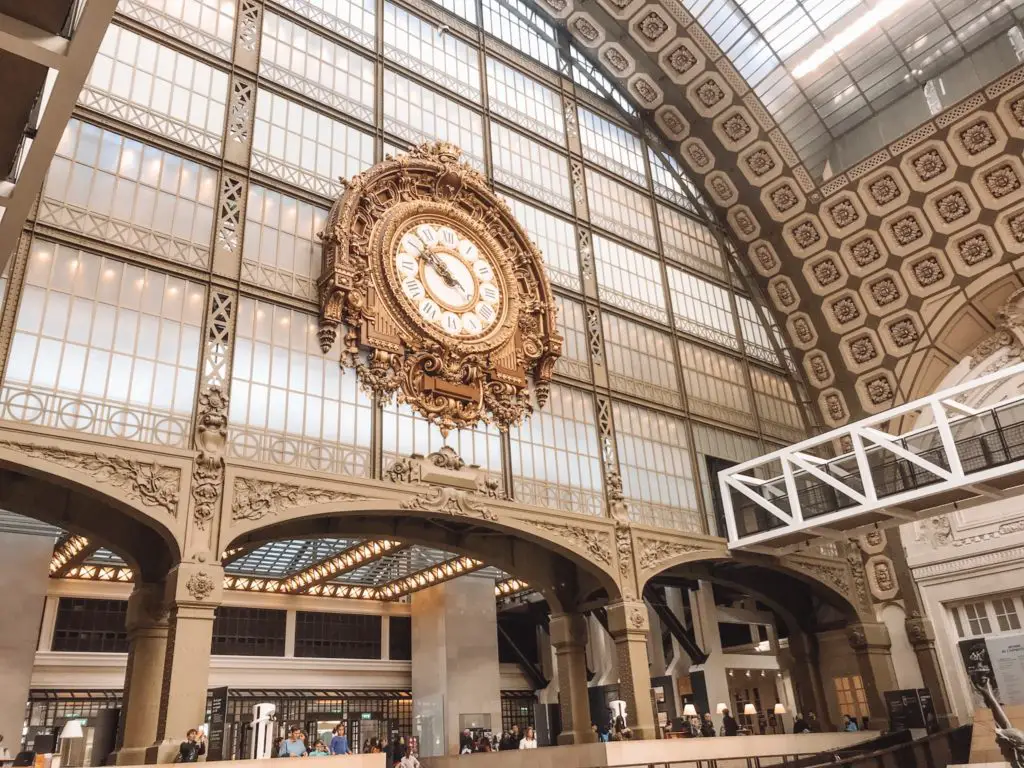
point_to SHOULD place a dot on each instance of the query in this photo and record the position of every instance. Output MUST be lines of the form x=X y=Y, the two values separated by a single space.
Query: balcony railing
x=870 y=474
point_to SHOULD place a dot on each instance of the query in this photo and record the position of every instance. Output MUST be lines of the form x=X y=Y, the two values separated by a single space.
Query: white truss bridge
x=879 y=472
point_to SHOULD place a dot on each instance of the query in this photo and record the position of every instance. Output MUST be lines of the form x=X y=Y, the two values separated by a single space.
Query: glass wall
x=660 y=344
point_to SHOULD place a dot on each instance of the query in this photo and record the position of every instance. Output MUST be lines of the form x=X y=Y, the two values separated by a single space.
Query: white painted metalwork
x=69 y=62
x=878 y=472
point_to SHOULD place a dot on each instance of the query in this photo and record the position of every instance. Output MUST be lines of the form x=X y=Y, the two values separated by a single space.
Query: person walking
x=729 y=725
x=529 y=741
x=192 y=748
x=339 y=741
x=293 y=746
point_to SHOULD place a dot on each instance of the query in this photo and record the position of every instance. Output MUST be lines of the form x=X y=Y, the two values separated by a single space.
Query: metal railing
x=961 y=455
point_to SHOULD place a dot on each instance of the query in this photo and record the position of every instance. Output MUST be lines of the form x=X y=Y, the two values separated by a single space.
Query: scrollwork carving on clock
x=444 y=299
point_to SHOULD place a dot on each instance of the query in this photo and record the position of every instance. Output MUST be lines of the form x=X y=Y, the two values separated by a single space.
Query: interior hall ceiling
x=884 y=276
x=768 y=40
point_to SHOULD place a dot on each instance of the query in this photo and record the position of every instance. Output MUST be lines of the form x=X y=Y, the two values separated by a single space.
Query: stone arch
x=130 y=506
x=568 y=558
x=871 y=246
x=835 y=583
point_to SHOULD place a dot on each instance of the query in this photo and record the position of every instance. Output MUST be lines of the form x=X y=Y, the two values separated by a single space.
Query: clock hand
x=444 y=273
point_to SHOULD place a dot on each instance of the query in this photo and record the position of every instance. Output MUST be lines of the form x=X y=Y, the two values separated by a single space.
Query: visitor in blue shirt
x=293 y=746
x=339 y=742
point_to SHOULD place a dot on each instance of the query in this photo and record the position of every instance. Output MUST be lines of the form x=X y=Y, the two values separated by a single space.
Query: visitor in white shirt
x=529 y=741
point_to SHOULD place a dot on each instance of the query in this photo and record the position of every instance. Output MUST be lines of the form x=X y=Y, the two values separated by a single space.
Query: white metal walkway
x=870 y=474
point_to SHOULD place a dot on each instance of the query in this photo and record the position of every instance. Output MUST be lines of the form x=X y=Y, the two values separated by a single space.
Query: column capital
x=196 y=585
x=920 y=630
x=147 y=608
x=628 y=617
x=868 y=636
x=567 y=630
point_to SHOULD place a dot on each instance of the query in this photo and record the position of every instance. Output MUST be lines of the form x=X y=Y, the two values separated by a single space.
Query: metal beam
x=33 y=43
x=70 y=552
x=75 y=63
x=509 y=587
x=347 y=560
x=530 y=671
x=428 y=577
x=678 y=630
x=904 y=476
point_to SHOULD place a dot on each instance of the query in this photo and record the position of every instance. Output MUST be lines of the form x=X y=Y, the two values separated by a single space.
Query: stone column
x=871 y=644
x=193 y=593
x=569 y=639
x=627 y=622
x=148 y=626
x=24 y=573
x=454 y=662
x=806 y=676
x=921 y=634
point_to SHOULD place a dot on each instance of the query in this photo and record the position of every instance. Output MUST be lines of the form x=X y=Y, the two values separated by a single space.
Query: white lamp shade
x=689 y=711
x=749 y=709
x=72 y=730
x=721 y=708
x=780 y=709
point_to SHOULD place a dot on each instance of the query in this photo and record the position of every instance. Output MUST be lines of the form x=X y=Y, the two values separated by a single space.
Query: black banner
x=218 y=723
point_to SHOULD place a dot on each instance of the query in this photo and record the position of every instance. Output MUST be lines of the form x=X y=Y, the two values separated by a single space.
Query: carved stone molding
x=256 y=499
x=450 y=501
x=655 y=552
x=208 y=470
x=153 y=485
x=835 y=576
x=882 y=577
x=624 y=551
x=919 y=630
x=200 y=585
x=592 y=543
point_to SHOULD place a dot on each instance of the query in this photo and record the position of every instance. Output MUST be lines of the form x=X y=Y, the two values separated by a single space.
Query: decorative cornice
x=960 y=565
x=153 y=485
x=654 y=552
x=593 y=543
x=256 y=499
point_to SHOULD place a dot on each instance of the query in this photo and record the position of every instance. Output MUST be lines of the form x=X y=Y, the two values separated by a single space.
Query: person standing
x=849 y=724
x=193 y=747
x=293 y=746
x=339 y=741
x=529 y=741
x=813 y=724
x=319 y=750
x=707 y=725
x=729 y=725
x=800 y=725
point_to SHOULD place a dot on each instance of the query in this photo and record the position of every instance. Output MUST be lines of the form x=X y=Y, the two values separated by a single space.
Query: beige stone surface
x=24 y=560
x=664 y=752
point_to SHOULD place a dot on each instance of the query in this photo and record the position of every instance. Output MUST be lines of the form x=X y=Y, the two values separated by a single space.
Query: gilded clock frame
x=455 y=382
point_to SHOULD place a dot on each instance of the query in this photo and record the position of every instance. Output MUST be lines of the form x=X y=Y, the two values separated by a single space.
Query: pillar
x=921 y=634
x=600 y=653
x=455 y=669
x=704 y=615
x=148 y=627
x=193 y=592
x=24 y=573
x=805 y=673
x=569 y=639
x=871 y=644
x=627 y=622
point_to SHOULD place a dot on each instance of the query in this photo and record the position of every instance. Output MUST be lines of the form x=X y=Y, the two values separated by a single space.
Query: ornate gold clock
x=444 y=299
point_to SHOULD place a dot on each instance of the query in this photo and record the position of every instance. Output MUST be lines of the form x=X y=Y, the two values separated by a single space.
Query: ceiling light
x=882 y=10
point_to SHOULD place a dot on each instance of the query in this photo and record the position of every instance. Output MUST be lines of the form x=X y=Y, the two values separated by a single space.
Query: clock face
x=450 y=282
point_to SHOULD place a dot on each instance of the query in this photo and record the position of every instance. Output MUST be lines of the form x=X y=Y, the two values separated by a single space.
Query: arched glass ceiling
x=868 y=55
